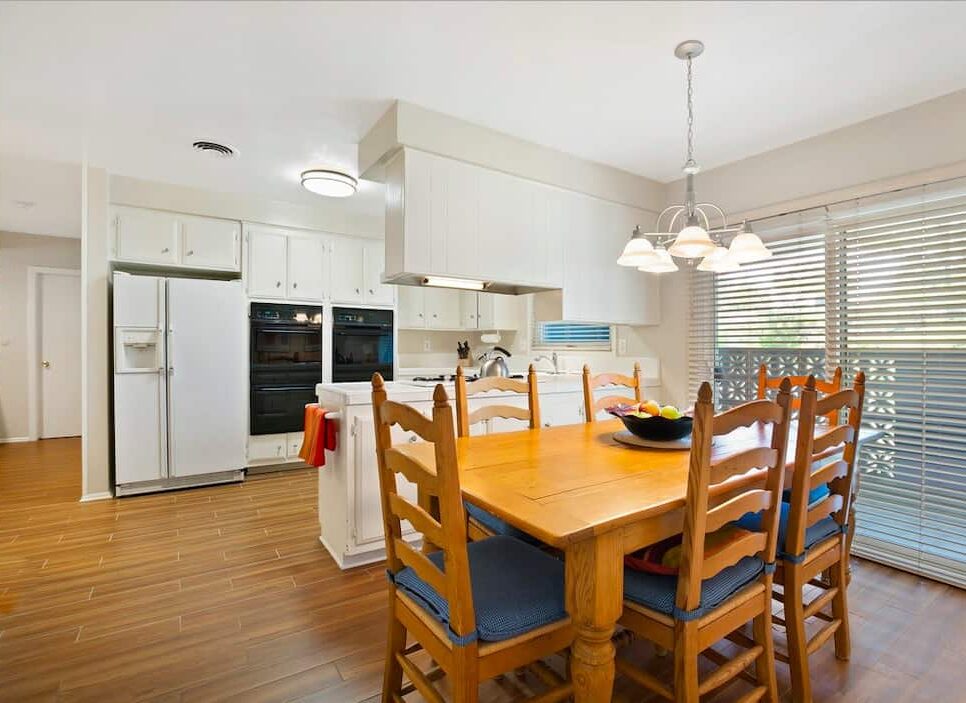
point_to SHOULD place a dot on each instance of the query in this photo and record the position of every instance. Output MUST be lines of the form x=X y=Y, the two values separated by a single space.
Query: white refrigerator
x=180 y=382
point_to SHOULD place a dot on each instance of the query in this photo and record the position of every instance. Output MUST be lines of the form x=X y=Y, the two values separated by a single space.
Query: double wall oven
x=285 y=364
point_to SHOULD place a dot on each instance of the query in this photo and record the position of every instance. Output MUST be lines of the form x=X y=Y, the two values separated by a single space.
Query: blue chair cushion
x=815 y=495
x=516 y=588
x=814 y=534
x=498 y=526
x=657 y=592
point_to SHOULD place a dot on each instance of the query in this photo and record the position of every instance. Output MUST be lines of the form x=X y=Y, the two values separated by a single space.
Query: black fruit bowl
x=654 y=428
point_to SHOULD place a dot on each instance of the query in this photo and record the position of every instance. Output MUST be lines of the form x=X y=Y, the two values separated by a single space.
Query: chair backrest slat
x=822 y=385
x=464 y=389
x=590 y=383
x=448 y=531
x=760 y=490
x=809 y=449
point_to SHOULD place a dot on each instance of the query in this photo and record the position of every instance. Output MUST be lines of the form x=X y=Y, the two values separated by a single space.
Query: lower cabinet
x=274 y=448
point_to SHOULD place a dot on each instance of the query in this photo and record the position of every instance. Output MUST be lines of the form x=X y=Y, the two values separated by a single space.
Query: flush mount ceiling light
x=689 y=234
x=461 y=283
x=334 y=184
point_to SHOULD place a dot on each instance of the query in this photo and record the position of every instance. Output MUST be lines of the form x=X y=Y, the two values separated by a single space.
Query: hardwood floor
x=225 y=593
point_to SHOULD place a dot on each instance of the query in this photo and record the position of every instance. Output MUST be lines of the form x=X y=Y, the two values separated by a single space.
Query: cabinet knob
x=165 y=250
x=278 y=284
x=419 y=314
x=370 y=291
x=413 y=439
x=189 y=252
x=357 y=290
x=295 y=284
x=435 y=315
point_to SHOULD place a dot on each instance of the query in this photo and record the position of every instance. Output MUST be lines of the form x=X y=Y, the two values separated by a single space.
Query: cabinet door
x=411 y=308
x=442 y=308
x=374 y=258
x=267 y=448
x=267 y=263
x=347 y=264
x=210 y=243
x=471 y=311
x=145 y=236
x=561 y=409
x=306 y=268
x=367 y=526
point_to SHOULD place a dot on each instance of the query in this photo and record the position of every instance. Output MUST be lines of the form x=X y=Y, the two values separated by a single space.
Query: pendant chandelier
x=688 y=232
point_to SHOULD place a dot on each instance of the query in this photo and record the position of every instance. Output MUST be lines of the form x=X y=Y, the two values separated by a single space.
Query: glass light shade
x=333 y=184
x=718 y=261
x=747 y=247
x=692 y=242
x=662 y=263
x=637 y=252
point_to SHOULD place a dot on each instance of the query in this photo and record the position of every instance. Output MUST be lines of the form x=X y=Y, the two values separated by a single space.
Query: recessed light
x=334 y=184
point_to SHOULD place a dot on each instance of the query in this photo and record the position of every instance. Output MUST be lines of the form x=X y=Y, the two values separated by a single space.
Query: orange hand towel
x=320 y=434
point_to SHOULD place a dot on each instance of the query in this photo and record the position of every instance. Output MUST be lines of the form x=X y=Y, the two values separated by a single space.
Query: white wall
x=18 y=252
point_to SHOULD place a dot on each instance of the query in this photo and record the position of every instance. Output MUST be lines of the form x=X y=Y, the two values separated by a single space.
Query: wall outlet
x=427 y=345
x=622 y=346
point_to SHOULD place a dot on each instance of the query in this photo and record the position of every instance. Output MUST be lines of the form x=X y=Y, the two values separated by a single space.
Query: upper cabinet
x=348 y=270
x=445 y=217
x=267 y=262
x=373 y=264
x=307 y=267
x=159 y=238
x=449 y=218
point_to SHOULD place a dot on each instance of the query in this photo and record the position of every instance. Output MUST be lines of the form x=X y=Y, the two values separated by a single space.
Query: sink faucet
x=552 y=359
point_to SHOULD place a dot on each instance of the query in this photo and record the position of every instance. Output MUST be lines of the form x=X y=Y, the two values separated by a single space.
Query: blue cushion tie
x=770 y=567
x=498 y=526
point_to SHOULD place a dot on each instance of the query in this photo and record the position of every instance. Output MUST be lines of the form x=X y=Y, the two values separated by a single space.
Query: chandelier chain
x=690 y=160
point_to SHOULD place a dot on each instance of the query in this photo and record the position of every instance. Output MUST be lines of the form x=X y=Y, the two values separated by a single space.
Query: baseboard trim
x=90 y=497
x=12 y=440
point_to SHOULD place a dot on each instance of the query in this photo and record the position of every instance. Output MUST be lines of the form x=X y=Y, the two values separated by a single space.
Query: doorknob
x=46 y=364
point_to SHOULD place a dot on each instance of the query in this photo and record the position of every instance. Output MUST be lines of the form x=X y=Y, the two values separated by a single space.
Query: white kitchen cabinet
x=145 y=236
x=307 y=264
x=267 y=263
x=348 y=278
x=160 y=238
x=442 y=309
x=294 y=444
x=469 y=310
x=210 y=243
x=451 y=218
x=267 y=448
x=500 y=312
x=374 y=262
x=411 y=308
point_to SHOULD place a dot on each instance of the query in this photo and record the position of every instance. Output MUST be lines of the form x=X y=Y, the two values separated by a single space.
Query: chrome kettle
x=493 y=364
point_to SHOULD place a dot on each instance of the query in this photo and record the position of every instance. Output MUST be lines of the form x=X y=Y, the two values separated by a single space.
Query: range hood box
x=416 y=279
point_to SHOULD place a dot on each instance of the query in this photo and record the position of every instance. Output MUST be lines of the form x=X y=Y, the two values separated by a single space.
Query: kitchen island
x=350 y=514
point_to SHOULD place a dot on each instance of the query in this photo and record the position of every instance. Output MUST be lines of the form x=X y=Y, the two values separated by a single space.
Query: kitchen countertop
x=360 y=392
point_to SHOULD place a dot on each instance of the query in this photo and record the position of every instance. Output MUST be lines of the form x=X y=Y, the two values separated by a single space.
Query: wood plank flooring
x=225 y=593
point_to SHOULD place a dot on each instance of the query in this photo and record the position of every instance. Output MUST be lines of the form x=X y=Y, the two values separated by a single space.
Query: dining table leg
x=595 y=595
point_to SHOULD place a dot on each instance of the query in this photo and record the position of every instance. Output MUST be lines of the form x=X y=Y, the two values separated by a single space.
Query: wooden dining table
x=578 y=489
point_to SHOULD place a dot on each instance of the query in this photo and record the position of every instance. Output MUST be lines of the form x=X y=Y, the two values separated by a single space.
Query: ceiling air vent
x=222 y=151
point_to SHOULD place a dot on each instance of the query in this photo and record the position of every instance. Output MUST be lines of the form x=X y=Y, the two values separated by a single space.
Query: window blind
x=571 y=334
x=877 y=285
x=901 y=293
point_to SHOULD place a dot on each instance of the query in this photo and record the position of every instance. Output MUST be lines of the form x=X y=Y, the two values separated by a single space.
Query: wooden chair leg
x=465 y=676
x=840 y=606
x=765 y=664
x=396 y=643
x=686 y=662
x=795 y=628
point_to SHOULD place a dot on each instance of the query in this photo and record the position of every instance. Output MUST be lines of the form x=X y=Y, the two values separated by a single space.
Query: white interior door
x=207 y=376
x=60 y=355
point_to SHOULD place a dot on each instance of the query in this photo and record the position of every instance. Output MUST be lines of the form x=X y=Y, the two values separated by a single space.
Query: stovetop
x=444 y=378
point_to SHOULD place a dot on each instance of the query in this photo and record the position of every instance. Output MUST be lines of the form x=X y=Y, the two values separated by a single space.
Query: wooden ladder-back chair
x=496 y=606
x=592 y=407
x=464 y=389
x=727 y=581
x=816 y=536
x=833 y=385
x=482 y=523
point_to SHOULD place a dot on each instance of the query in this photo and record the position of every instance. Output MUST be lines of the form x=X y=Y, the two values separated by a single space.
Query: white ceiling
x=296 y=85
x=40 y=197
